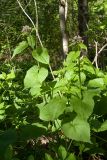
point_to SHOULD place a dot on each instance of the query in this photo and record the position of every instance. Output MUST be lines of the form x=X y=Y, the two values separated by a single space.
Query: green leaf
x=83 y=77
x=42 y=74
x=6 y=138
x=35 y=91
x=48 y=157
x=11 y=75
x=41 y=55
x=72 y=57
x=96 y=83
x=101 y=106
x=62 y=152
x=31 y=41
x=82 y=46
x=71 y=157
x=31 y=157
x=2 y=105
x=3 y=76
x=2 y=111
x=9 y=153
x=34 y=78
x=103 y=126
x=53 y=109
x=31 y=79
x=30 y=131
x=20 y=48
x=78 y=130
x=83 y=107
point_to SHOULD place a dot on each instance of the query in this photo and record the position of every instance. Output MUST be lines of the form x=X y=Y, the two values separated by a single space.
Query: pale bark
x=63 y=8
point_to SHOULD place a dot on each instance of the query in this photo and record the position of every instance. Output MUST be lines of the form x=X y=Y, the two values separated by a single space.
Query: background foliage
x=52 y=108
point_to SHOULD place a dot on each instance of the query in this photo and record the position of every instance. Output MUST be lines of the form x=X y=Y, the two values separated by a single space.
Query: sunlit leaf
x=41 y=55
x=83 y=107
x=53 y=109
x=78 y=130
x=20 y=48
x=96 y=83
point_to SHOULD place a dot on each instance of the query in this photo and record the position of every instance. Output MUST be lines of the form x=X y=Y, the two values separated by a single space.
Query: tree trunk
x=83 y=20
x=63 y=8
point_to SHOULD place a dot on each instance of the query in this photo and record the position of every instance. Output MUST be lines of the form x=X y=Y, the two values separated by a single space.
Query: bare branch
x=31 y=22
x=98 y=53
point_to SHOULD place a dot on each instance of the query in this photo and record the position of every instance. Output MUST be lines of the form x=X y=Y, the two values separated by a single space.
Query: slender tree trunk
x=63 y=8
x=83 y=20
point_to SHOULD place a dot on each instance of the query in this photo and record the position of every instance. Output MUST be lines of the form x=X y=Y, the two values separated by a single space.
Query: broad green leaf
x=31 y=79
x=83 y=107
x=103 y=126
x=62 y=152
x=43 y=73
x=53 y=109
x=87 y=66
x=61 y=85
x=96 y=83
x=41 y=55
x=20 y=48
x=35 y=91
x=99 y=73
x=34 y=78
x=78 y=130
x=48 y=157
x=9 y=153
x=31 y=157
x=72 y=57
x=69 y=74
x=31 y=41
x=71 y=157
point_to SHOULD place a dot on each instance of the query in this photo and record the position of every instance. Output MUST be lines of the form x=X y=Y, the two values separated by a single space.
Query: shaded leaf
x=103 y=126
x=31 y=41
x=48 y=157
x=62 y=152
x=9 y=153
x=31 y=131
x=31 y=157
x=71 y=157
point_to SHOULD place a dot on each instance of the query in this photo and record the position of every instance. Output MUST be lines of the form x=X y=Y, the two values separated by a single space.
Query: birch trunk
x=63 y=8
